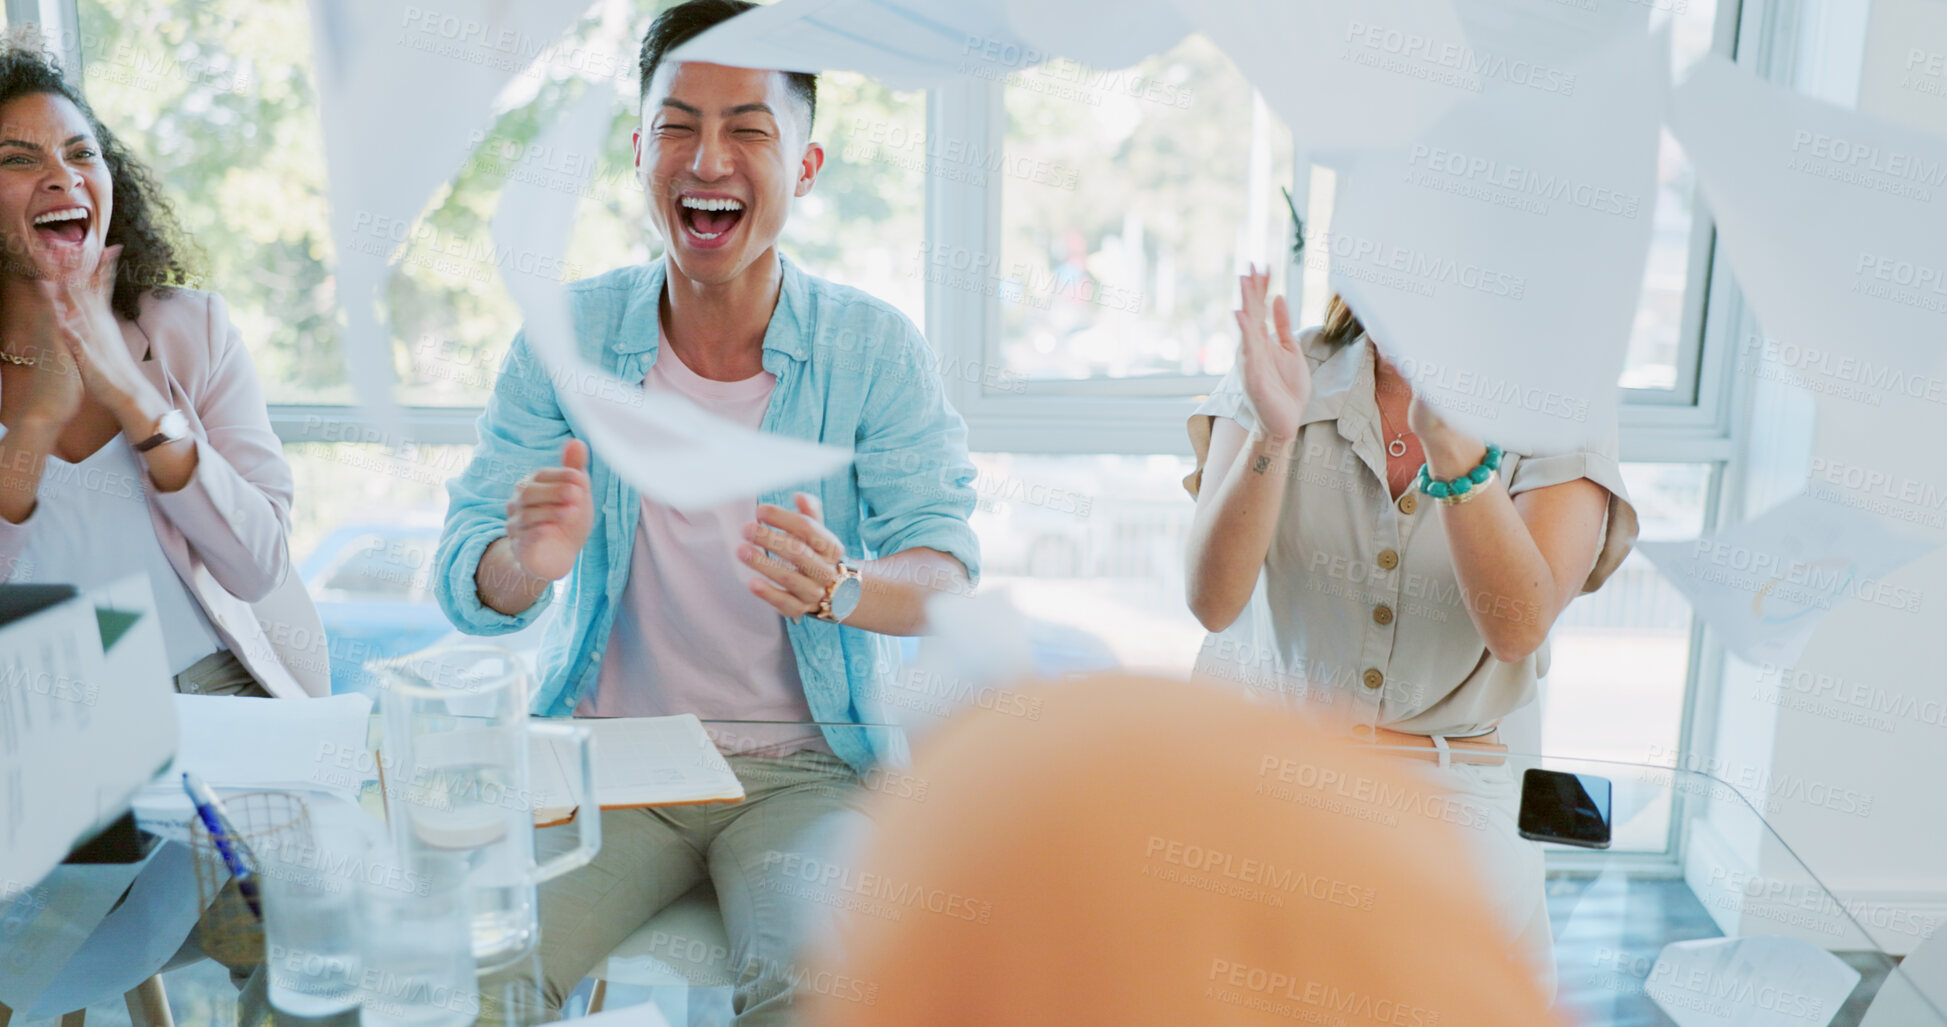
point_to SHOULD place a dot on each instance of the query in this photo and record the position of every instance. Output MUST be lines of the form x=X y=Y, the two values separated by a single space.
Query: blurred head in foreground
x=1151 y=853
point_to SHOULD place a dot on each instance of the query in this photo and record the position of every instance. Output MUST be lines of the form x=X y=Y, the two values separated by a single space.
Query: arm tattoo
x=1259 y=466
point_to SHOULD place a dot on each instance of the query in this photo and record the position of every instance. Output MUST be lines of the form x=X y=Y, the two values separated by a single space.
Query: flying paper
x=1542 y=36
x=1099 y=33
x=1407 y=61
x=400 y=89
x=1351 y=73
x=1764 y=585
x=670 y=449
x=1498 y=258
x=906 y=44
x=1833 y=220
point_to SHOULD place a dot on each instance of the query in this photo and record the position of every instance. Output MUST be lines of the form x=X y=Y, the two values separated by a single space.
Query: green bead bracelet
x=1451 y=490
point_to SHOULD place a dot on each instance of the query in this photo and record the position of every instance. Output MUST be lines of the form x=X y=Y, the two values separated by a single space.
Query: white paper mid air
x=1497 y=259
x=1834 y=221
x=1536 y=39
x=1099 y=33
x=1835 y=224
x=1350 y=73
x=400 y=91
x=1764 y=585
x=1407 y=61
x=670 y=449
x=905 y=44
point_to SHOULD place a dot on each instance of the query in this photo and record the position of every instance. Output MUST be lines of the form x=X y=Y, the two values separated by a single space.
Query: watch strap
x=170 y=420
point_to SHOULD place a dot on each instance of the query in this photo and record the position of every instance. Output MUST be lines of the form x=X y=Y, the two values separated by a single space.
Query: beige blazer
x=227 y=531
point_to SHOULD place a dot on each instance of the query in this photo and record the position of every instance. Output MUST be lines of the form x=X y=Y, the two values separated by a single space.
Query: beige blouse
x=1358 y=614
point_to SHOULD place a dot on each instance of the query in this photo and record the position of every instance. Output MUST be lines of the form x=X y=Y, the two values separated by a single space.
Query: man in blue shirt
x=779 y=608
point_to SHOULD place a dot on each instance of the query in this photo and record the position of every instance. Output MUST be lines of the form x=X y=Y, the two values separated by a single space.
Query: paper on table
x=1350 y=73
x=234 y=743
x=1098 y=33
x=1498 y=259
x=906 y=44
x=400 y=91
x=1764 y=585
x=670 y=449
x=1741 y=982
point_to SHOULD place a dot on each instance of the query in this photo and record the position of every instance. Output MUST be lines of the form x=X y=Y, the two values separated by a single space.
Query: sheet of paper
x=1764 y=585
x=1351 y=73
x=1743 y=982
x=670 y=449
x=1098 y=33
x=1833 y=222
x=81 y=729
x=236 y=744
x=906 y=44
x=1498 y=257
x=401 y=89
x=1546 y=35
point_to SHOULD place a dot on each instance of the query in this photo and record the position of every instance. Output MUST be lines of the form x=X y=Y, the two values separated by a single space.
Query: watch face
x=845 y=598
x=173 y=425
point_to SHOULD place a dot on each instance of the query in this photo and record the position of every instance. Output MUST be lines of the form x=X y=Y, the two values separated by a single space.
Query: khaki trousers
x=763 y=856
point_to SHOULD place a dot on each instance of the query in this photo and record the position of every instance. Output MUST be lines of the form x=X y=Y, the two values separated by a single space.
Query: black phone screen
x=1572 y=809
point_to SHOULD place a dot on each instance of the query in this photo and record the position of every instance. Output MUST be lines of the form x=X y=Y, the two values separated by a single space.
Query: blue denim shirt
x=851 y=372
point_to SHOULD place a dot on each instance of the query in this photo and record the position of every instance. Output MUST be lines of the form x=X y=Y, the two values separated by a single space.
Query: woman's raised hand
x=1276 y=377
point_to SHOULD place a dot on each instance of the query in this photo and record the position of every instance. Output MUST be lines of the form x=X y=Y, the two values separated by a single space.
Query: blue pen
x=229 y=844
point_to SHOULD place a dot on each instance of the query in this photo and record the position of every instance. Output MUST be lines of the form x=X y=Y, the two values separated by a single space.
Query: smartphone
x=1572 y=809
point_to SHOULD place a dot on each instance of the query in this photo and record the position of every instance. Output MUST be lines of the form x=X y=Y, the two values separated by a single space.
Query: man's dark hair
x=685 y=21
x=154 y=256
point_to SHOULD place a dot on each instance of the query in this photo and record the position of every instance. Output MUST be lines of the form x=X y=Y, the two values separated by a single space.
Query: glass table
x=1699 y=914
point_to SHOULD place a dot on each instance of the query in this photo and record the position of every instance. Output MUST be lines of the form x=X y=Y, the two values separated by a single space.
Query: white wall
x=1851 y=765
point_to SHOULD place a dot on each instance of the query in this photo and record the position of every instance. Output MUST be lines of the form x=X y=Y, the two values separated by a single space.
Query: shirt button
x=1408 y=502
x=1373 y=678
x=1388 y=559
x=1382 y=614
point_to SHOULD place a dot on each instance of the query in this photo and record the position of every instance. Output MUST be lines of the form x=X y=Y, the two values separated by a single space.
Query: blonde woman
x=1399 y=605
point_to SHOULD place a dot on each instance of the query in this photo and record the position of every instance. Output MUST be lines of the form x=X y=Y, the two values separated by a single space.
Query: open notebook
x=639 y=761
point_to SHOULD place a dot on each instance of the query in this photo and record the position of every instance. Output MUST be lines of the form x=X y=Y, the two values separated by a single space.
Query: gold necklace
x=18 y=361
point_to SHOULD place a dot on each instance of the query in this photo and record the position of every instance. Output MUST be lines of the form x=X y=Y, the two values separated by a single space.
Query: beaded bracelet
x=1461 y=489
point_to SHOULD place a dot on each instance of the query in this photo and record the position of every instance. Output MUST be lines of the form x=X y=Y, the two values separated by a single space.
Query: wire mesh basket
x=229 y=931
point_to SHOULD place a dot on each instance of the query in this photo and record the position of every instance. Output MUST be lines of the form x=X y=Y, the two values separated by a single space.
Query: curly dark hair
x=155 y=257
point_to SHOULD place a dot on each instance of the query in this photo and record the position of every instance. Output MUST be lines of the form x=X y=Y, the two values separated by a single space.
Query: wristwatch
x=841 y=596
x=171 y=427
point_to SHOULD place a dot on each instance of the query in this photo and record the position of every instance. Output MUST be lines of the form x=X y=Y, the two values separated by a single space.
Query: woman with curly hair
x=136 y=437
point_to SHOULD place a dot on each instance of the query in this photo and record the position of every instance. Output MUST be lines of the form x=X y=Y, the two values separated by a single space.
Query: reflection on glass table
x=1734 y=929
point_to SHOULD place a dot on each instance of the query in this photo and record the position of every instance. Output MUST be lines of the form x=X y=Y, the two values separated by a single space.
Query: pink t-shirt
x=689 y=635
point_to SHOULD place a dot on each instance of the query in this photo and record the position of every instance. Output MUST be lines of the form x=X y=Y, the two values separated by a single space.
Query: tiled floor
x=1606 y=936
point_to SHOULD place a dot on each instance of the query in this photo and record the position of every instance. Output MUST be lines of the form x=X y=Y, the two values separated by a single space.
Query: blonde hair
x=1341 y=324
